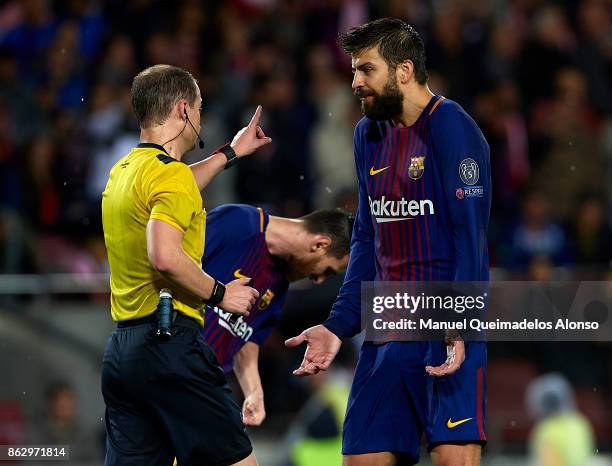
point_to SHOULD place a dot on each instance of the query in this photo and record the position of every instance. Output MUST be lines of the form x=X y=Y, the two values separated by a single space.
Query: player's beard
x=295 y=268
x=386 y=105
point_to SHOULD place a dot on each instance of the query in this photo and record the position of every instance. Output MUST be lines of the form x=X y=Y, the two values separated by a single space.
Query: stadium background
x=535 y=74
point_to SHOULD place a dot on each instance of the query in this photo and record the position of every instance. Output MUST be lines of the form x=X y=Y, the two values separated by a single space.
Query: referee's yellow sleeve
x=170 y=198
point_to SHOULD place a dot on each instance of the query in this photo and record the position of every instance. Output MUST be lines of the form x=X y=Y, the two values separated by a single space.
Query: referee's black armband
x=230 y=155
x=218 y=293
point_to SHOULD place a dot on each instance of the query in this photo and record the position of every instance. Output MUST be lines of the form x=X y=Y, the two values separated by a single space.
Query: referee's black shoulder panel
x=166 y=159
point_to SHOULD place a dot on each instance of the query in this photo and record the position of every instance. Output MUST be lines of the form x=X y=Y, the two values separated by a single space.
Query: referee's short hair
x=335 y=223
x=157 y=89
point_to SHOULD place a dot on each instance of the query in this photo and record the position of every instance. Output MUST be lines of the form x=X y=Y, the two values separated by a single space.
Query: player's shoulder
x=233 y=218
x=450 y=121
x=449 y=113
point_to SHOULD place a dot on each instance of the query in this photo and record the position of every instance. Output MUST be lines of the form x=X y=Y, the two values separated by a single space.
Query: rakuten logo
x=237 y=327
x=397 y=211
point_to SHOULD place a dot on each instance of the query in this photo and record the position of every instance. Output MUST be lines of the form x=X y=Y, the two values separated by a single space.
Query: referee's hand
x=251 y=137
x=239 y=297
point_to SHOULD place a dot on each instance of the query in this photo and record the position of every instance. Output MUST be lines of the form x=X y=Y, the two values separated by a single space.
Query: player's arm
x=247 y=372
x=456 y=139
x=246 y=364
x=166 y=254
x=245 y=142
x=345 y=317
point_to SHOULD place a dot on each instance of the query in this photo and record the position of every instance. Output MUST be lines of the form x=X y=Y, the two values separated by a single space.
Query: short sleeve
x=171 y=196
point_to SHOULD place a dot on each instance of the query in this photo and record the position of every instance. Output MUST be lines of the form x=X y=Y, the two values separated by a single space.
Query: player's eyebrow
x=362 y=66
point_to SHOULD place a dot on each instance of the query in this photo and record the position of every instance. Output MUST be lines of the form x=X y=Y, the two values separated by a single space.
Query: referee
x=168 y=398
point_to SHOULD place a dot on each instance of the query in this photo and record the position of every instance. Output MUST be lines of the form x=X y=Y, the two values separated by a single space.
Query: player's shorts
x=387 y=405
x=167 y=399
x=456 y=403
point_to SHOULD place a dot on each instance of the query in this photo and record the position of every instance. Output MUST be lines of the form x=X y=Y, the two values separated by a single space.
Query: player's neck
x=283 y=236
x=161 y=135
x=416 y=98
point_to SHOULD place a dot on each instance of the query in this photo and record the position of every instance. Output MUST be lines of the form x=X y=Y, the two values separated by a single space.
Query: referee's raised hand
x=251 y=137
x=239 y=297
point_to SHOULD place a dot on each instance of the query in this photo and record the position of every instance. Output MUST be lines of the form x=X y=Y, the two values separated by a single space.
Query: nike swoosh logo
x=237 y=274
x=450 y=424
x=376 y=172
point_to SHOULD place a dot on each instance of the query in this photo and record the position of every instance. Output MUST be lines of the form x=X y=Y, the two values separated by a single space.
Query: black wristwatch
x=218 y=293
x=230 y=155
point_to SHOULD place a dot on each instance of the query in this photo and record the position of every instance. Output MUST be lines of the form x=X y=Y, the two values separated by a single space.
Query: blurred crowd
x=536 y=75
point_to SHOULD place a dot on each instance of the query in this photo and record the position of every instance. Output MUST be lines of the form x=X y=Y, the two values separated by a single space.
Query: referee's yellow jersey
x=149 y=184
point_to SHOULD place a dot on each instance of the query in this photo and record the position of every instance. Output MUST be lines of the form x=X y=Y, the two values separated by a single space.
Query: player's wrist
x=335 y=327
x=255 y=393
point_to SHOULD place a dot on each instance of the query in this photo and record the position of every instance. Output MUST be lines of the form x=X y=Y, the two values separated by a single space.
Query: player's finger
x=444 y=369
x=321 y=367
x=255 y=120
x=243 y=308
x=303 y=366
x=435 y=371
x=305 y=371
x=295 y=341
x=260 y=132
x=313 y=368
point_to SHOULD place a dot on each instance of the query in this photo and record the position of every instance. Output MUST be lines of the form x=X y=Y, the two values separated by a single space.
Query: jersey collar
x=150 y=145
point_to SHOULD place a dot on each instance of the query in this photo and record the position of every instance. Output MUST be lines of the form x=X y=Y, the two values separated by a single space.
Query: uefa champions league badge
x=417 y=167
x=469 y=191
x=469 y=171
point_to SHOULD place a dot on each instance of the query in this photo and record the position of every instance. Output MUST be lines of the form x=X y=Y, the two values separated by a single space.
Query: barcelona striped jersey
x=424 y=202
x=236 y=248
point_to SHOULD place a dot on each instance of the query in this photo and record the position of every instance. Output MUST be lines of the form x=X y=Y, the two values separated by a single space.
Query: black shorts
x=167 y=399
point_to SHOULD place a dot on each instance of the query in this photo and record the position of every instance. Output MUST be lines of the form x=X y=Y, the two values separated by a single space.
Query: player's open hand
x=239 y=297
x=455 y=355
x=251 y=137
x=253 y=410
x=322 y=347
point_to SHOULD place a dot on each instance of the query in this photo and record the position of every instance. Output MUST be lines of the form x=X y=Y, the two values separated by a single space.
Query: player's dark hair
x=335 y=223
x=156 y=90
x=397 y=42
